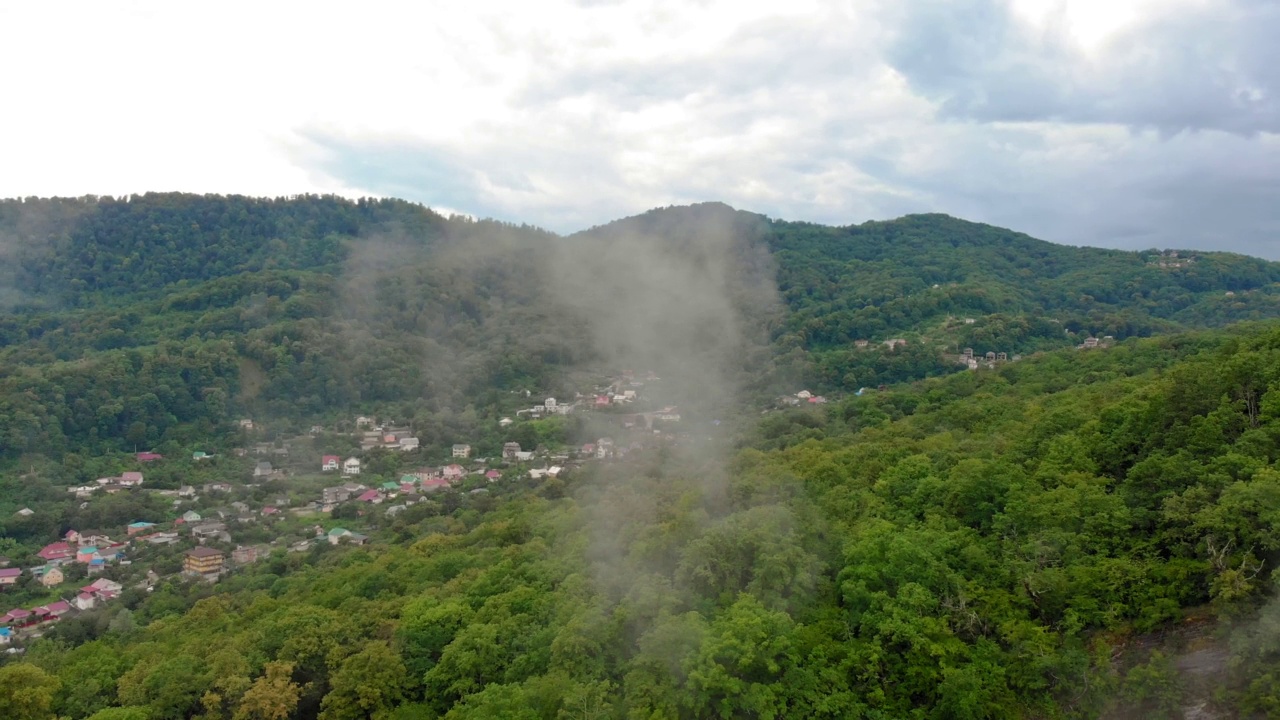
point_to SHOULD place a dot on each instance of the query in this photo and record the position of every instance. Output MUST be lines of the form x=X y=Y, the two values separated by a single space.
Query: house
x=330 y=463
x=505 y=422
x=588 y=449
x=85 y=601
x=200 y=455
x=103 y=585
x=51 y=576
x=86 y=554
x=524 y=456
x=509 y=450
x=604 y=448
x=246 y=424
x=130 y=479
x=990 y=357
x=138 y=527
x=804 y=394
x=148 y=457
x=240 y=507
x=18 y=617
x=191 y=516
x=9 y=576
x=262 y=469
x=492 y=475
x=338 y=535
x=1002 y=357
x=218 y=487
x=243 y=555
x=351 y=466
x=161 y=538
x=58 y=552
x=1090 y=342
x=186 y=491
x=969 y=321
x=205 y=531
x=453 y=472
x=363 y=422
x=860 y=344
x=462 y=451
x=56 y=609
x=370 y=496
x=202 y=561
x=93 y=537
x=269 y=511
x=336 y=494
x=433 y=484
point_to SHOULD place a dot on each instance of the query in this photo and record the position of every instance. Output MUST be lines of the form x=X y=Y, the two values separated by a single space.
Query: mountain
x=1075 y=533
x=1080 y=534
x=154 y=318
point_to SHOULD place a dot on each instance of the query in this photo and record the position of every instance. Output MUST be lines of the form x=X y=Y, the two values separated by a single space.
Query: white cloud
x=1078 y=121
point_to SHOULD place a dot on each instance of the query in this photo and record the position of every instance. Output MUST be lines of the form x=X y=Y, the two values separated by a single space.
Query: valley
x=353 y=459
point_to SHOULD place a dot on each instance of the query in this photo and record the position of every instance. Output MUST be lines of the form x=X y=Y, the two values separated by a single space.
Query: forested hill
x=158 y=317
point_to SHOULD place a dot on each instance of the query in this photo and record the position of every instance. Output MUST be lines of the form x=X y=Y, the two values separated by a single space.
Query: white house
x=351 y=466
x=462 y=451
x=409 y=443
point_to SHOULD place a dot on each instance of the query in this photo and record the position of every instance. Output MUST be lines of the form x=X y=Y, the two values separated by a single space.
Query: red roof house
x=370 y=496
x=434 y=483
x=330 y=462
x=148 y=456
x=56 y=551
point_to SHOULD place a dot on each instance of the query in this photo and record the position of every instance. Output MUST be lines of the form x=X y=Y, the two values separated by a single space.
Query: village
x=290 y=496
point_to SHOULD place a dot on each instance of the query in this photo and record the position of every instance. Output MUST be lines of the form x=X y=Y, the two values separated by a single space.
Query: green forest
x=1081 y=533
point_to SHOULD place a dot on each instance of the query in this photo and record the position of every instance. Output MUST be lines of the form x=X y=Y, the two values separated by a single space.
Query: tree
x=26 y=692
x=367 y=685
x=274 y=696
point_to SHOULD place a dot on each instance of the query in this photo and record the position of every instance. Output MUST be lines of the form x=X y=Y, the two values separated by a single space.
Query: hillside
x=983 y=545
x=1074 y=533
x=158 y=319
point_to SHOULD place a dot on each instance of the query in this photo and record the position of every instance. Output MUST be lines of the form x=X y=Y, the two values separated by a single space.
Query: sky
x=1120 y=123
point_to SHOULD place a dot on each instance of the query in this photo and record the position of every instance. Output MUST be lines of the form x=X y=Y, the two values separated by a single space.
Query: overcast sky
x=1123 y=123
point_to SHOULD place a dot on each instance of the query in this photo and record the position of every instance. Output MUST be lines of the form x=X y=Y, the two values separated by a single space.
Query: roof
x=339 y=531
x=131 y=475
x=56 y=607
x=330 y=458
x=203 y=552
x=148 y=456
x=84 y=596
x=141 y=524
x=10 y=572
x=369 y=495
x=55 y=550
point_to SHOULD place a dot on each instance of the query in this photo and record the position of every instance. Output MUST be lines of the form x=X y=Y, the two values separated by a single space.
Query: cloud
x=1212 y=66
x=1132 y=123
